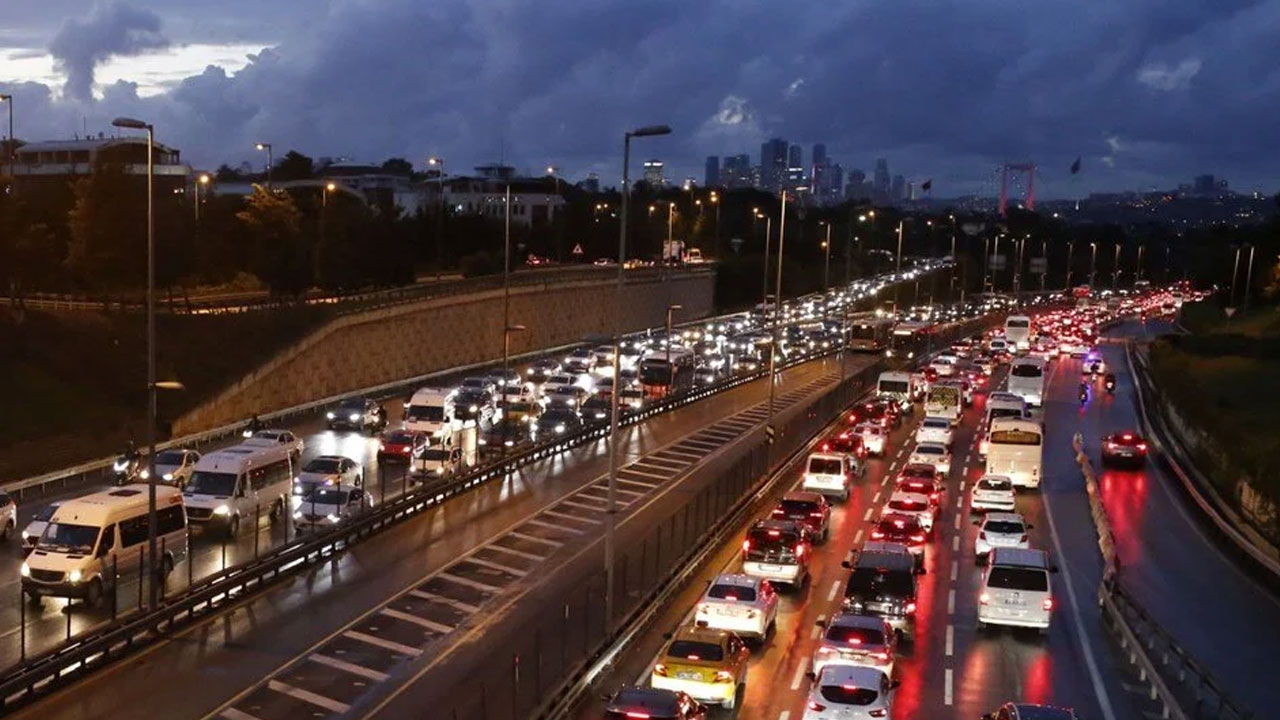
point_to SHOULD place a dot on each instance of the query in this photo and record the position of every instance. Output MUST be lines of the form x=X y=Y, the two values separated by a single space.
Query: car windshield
x=44 y=513
x=762 y=539
x=732 y=592
x=995 y=485
x=870 y=580
x=930 y=450
x=66 y=538
x=425 y=413
x=798 y=507
x=323 y=466
x=1004 y=527
x=354 y=406
x=400 y=437
x=1026 y=371
x=1018 y=578
x=326 y=496
x=825 y=466
x=434 y=454
x=894 y=386
x=855 y=635
x=936 y=424
x=561 y=380
x=920 y=473
x=1004 y=412
x=848 y=695
x=211 y=483
x=695 y=650
x=169 y=457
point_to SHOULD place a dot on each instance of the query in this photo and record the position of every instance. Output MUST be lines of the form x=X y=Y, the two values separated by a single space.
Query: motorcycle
x=127 y=469
x=251 y=427
x=1111 y=385
x=1084 y=395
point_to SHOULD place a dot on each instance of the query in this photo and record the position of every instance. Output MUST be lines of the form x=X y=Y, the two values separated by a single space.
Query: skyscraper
x=835 y=182
x=711 y=177
x=773 y=163
x=795 y=157
x=819 y=153
x=881 y=182
x=736 y=172
x=898 y=190
x=653 y=173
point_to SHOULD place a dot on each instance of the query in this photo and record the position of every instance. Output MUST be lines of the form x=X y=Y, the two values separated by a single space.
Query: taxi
x=706 y=664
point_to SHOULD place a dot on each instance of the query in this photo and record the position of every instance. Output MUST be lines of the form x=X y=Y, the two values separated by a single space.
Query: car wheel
x=35 y=600
x=732 y=702
x=233 y=526
x=93 y=597
x=277 y=511
x=1042 y=631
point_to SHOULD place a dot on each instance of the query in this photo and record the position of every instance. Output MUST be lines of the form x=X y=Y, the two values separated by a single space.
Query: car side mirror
x=240 y=492
x=1029 y=526
x=894 y=684
x=821 y=623
x=811 y=675
x=846 y=564
x=977 y=523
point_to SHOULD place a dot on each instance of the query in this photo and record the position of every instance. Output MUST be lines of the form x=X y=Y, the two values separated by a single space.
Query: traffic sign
x=1229 y=311
x=997 y=262
x=1039 y=266
x=577 y=249
x=769 y=432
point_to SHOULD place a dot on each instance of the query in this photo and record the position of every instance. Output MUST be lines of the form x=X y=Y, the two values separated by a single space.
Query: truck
x=943 y=401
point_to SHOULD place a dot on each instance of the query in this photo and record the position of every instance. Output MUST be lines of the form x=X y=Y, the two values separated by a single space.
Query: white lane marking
x=951 y=640
x=947 y=680
x=419 y=621
x=495 y=566
x=1095 y=677
x=517 y=553
x=485 y=587
x=637 y=483
x=588 y=506
x=309 y=697
x=534 y=538
x=866 y=515
x=835 y=588
x=457 y=604
x=575 y=518
x=876 y=499
x=347 y=667
x=955 y=565
x=813 y=634
x=957 y=521
x=884 y=481
x=631 y=469
x=964 y=469
x=951 y=601
x=857 y=539
x=384 y=644
x=234 y=714
x=551 y=526
x=962 y=484
x=784 y=715
x=955 y=543
x=795 y=681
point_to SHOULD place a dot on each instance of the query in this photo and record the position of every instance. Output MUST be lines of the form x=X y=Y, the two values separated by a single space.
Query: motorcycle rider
x=1110 y=381
x=1084 y=393
x=253 y=426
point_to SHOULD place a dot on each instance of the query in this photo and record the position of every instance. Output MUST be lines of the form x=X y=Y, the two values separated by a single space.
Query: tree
x=294 y=166
x=108 y=229
x=398 y=166
x=277 y=254
x=226 y=173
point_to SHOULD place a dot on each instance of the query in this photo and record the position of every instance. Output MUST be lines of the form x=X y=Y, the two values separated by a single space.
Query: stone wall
x=396 y=343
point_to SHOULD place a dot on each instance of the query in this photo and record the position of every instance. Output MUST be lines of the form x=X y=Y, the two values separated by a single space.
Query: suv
x=652 y=703
x=777 y=550
x=852 y=639
x=901 y=528
x=359 y=414
x=810 y=508
x=830 y=473
x=740 y=603
x=1016 y=589
x=883 y=584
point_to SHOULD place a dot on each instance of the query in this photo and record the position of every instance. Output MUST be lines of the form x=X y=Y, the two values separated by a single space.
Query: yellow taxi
x=708 y=665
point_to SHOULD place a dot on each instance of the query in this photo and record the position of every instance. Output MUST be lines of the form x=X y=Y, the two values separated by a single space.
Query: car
x=630 y=399
x=704 y=375
x=1000 y=529
x=525 y=411
x=327 y=471
x=884 y=412
x=474 y=404
x=580 y=361
x=853 y=639
x=1124 y=448
x=484 y=384
x=739 y=603
x=509 y=432
x=1015 y=589
x=1027 y=711
x=565 y=396
x=932 y=453
x=503 y=378
x=902 y=528
x=540 y=371
x=8 y=515
x=778 y=550
x=516 y=393
x=848 y=692
x=277 y=437
x=648 y=703
x=847 y=442
x=883 y=583
x=438 y=461
x=830 y=473
x=596 y=409
x=400 y=446
x=326 y=505
x=874 y=438
x=810 y=508
x=992 y=492
x=174 y=466
x=35 y=527
x=708 y=665
x=558 y=380
x=913 y=503
x=555 y=422
x=934 y=430
x=359 y=414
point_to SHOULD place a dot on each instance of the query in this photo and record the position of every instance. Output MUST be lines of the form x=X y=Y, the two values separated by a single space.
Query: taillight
x=724 y=676
x=799 y=551
x=816 y=706
x=882 y=657
x=982 y=534
x=911 y=607
x=876 y=535
x=382 y=447
x=918 y=538
x=1047 y=604
x=659 y=669
x=815 y=515
x=1142 y=446
x=984 y=598
x=746 y=546
x=638 y=715
x=1024 y=538
x=778 y=512
x=876 y=713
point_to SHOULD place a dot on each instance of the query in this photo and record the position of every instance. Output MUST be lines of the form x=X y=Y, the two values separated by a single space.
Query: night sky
x=1148 y=92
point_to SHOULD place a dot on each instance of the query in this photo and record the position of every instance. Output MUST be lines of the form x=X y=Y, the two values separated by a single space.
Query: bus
x=1026 y=380
x=659 y=377
x=1017 y=331
x=869 y=335
x=910 y=338
x=1014 y=449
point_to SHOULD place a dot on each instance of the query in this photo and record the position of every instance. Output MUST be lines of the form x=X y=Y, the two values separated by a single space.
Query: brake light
x=382 y=447
x=934 y=495
x=880 y=656
x=778 y=512
x=918 y=538
x=1127 y=436
x=1142 y=446
x=775 y=533
x=638 y=715
x=876 y=535
x=984 y=598
x=1047 y=604
x=982 y=534
x=799 y=551
x=658 y=669
x=746 y=545
x=911 y=607
x=876 y=713
x=723 y=676
x=731 y=598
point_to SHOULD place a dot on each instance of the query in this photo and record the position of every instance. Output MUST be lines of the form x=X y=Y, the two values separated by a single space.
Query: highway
x=264 y=636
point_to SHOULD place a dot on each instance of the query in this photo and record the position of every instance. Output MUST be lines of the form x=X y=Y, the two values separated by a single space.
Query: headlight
x=222 y=510
x=74 y=576
x=560 y=428
x=333 y=518
x=144 y=474
x=297 y=489
x=25 y=570
x=353 y=417
x=119 y=466
x=329 y=415
x=509 y=443
x=473 y=408
x=297 y=515
x=167 y=476
x=25 y=536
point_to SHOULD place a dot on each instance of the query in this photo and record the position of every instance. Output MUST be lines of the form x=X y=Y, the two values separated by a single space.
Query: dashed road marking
x=951 y=640
x=813 y=634
x=876 y=499
x=866 y=516
x=456 y=604
x=384 y=644
x=835 y=588
x=858 y=537
x=419 y=621
x=347 y=667
x=534 y=538
x=951 y=601
x=795 y=681
x=961 y=484
x=957 y=521
x=551 y=526
x=947 y=680
x=955 y=543
x=308 y=697
x=955 y=565
x=474 y=584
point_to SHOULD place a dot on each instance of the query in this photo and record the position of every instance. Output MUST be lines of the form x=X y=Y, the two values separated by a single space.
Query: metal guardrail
x=89 y=650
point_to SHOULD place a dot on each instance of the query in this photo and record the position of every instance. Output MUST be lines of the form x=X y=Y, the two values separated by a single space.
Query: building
x=898 y=188
x=653 y=173
x=379 y=187
x=835 y=182
x=533 y=200
x=736 y=172
x=711 y=177
x=795 y=157
x=773 y=164
x=49 y=165
x=881 y=182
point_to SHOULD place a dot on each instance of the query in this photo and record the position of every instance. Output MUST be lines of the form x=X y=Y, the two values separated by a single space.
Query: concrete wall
x=405 y=341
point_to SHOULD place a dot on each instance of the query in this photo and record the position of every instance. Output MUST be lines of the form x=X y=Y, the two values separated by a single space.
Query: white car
x=945 y=364
x=992 y=492
x=851 y=639
x=438 y=461
x=739 y=603
x=829 y=474
x=874 y=438
x=559 y=380
x=1000 y=530
x=934 y=430
x=8 y=515
x=175 y=466
x=327 y=471
x=911 y=503
x=932 y=453
x=270 y=438
x=850 y=692
x=34 y=529
x=329 y=505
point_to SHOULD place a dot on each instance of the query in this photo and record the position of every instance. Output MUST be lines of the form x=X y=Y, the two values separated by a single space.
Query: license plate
x=689 y=675
x=766 y=567
x=726 y=611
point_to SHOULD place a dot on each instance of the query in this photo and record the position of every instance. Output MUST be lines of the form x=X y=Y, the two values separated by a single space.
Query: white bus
x=1017 y=332
x=1000 y=405
x=238 y=484
x=92 y=540
x=1026 y=380
x=1015 y=449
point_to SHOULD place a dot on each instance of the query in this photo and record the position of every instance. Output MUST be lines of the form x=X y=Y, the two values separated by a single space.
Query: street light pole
x=1093 y=262
x=670 y=375
x=1071 y=246
x=715 y=200
x=826 y=266
x=1248 y=276
x=124 y=122
x=1115 y=268
x=670 y=249
x=433 y=160
x=554 y=172
x=13 y=145
x=611 y=506
x=768 y=232
x=777 y=315
x=270 y=160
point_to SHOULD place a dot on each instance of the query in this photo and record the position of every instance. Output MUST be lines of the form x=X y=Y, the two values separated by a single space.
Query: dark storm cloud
x=1148 y=91
x=112 y=28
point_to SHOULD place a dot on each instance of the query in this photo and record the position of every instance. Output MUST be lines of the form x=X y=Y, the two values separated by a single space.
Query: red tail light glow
x=658 y=669
x=746 y=545
x=984 y=598
x=918 y=538
x=1047 y=604
x=876 y=535
x=911 y=607
x=799 y=551
x=877 y=713
x=638 y=715
x=724 y=676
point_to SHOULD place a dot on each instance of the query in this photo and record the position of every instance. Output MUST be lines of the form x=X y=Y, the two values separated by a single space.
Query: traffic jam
x=826 y=599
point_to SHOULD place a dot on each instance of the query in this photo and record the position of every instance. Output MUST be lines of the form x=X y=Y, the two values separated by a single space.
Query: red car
x=847 y=442
x=1124 y=448
x=809 y=508
x=920 y=478
x=902 y=528
x=401 y=445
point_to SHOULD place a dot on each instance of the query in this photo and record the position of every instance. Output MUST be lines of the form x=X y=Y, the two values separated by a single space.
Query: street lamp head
x=649 y=130
x=673 y=206
x=433 y=160
x=714 y=196
x=261 y=146
x=330 y=186
x=204 y=178
x=862 y=218
x=552 y=169
x=128 y=122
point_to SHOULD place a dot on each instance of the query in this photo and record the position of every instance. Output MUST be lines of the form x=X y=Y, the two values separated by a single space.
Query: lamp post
x=1093 y=262
x=715 y=200
x=777 y=315
x=13 y=163
x=270 y=159
x=434 y=161
x=1071 y=246
x=612 y=495
x=669 y=250
x=1137 y=270
x=554 y=172
x=1115 y=268
x=325 y=189
x=768 y=231
x=1248 y=276
x=134 y=124
x=202 y=181
x=826 y=267
x=670 y=375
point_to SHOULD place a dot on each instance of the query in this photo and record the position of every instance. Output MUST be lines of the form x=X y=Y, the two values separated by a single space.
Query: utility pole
x=777 y=316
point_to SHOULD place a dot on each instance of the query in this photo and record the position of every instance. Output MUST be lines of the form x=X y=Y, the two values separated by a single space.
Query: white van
x=898 y=386
x=1015 y=589
x=1017 y=332
x=240 y=483
x=1001 y=405
x=91 y=540
x=1026 y=380
x=431 y=411
x=830 y=474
